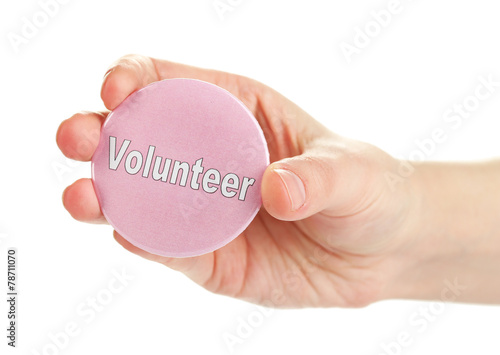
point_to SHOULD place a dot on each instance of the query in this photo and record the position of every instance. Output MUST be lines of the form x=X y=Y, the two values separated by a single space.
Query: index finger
x=133 y=72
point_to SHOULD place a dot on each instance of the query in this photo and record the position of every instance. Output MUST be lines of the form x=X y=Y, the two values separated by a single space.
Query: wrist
x=453 y=234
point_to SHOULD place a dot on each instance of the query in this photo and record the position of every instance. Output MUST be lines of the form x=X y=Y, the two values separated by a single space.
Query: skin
x=340 y=234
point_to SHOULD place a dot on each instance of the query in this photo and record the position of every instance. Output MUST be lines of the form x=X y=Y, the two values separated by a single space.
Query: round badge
x=178 y=168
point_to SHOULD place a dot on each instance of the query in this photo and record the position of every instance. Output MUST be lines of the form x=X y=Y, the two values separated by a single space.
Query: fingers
x=128 y=74
x=81 y=202
x=78 y=136
x=328 y=179
x=133 y=72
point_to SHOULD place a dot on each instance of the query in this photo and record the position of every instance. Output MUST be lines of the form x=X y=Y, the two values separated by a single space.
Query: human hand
x=331 y=232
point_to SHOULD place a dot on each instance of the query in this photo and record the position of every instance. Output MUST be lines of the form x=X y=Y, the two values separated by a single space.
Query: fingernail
x=294 y=187
x=108 y=72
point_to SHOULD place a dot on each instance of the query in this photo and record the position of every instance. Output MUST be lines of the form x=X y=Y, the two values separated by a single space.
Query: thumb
x=298 y=187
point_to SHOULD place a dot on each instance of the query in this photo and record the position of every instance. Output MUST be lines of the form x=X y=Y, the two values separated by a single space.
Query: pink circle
x=178 y=168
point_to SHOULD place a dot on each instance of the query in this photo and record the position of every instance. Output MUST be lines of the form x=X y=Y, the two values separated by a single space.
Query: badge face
x=178 y=168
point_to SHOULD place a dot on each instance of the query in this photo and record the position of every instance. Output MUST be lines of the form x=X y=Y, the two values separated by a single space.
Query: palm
x=276 y=263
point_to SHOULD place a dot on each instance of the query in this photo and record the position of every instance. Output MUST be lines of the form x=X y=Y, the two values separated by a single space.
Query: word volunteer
x=211 y=181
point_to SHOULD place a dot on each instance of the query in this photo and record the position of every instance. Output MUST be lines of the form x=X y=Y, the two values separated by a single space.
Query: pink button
x=179 y=166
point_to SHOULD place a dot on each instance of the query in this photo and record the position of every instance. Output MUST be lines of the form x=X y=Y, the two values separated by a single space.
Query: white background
x=395 y=91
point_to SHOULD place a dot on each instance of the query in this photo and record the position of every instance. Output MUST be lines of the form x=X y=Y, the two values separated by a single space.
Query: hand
x=331 y=232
